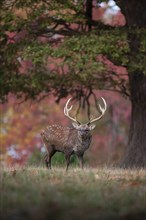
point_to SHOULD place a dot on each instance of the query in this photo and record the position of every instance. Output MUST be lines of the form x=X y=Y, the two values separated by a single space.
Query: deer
x=70 y=140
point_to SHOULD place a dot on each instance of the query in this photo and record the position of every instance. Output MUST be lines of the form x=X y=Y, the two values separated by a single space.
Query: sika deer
x=75 y=140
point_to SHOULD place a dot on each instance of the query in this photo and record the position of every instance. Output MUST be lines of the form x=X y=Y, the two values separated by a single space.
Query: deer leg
x=67 y=157
x=48 y=157
x=80 y=158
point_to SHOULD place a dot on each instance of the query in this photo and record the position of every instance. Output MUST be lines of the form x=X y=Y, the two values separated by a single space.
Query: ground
x=91 y=193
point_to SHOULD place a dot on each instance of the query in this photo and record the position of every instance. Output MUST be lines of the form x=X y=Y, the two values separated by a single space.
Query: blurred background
x=21 y=125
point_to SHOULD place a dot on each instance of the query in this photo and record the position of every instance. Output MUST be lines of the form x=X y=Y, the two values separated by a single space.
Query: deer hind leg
x=48 y=157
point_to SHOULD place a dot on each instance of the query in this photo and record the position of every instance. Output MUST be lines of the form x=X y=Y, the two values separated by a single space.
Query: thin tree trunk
x=89 y=13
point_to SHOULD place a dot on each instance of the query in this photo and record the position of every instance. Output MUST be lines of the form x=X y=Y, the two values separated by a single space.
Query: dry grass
x=94 y=193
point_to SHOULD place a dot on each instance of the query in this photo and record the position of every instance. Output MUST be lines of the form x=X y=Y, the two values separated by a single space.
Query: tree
x=136 y=151
x=57 y=47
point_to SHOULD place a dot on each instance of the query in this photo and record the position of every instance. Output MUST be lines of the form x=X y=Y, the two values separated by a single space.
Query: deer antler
x=67 y=110
x=102 y=111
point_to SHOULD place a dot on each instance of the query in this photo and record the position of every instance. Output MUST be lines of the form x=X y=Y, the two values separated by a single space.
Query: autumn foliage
x=21 y=125
x=55 y=49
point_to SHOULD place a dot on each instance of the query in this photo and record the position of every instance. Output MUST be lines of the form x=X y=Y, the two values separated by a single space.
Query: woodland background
x=21 y=123
x=53 y=50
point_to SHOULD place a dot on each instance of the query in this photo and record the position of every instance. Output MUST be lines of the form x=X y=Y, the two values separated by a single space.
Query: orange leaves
x=21 y=125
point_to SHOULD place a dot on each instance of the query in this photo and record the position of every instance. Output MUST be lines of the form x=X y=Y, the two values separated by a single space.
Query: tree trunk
x=135 y=155
x=89 y=13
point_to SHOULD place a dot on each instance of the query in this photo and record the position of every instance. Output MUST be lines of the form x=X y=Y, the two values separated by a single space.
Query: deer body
x=66 y=140
x=75 y=140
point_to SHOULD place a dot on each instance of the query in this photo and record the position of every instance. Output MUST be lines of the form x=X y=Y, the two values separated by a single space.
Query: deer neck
x=83 y=139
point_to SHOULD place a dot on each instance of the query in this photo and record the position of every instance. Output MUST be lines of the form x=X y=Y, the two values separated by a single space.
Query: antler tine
x=66 y=106
x=102 y=110
x=66 y=111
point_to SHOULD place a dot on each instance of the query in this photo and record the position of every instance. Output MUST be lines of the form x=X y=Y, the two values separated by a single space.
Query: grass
x=92 y=193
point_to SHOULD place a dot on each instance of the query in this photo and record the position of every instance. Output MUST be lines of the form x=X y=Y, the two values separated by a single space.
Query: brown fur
x=75 y=140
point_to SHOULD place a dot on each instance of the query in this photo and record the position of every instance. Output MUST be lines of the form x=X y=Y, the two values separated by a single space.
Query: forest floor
x=88 y=194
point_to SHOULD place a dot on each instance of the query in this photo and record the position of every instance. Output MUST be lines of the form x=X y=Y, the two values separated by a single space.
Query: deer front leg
x=67 y=157
x=80 y=158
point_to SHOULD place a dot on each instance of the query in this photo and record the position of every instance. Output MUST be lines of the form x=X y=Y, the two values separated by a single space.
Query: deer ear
x=75 y=125
x=92 y=126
